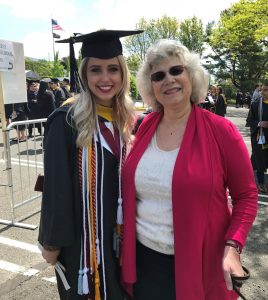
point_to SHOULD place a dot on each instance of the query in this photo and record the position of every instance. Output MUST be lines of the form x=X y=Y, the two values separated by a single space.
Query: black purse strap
x=239 y=280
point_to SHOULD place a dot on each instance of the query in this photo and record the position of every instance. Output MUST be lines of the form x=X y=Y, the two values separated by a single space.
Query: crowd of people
x=242 y=99
x=43 y=97
x=257 y=121
x=215 y=101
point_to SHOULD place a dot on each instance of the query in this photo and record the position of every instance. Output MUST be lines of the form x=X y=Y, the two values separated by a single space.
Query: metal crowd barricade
x=23 y=161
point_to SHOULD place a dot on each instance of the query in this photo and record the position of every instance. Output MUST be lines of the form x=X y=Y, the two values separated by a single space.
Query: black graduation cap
x=55 y=80
x=103 y=44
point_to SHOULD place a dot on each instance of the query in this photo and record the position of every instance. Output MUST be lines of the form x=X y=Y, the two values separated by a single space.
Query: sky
x=29 y=21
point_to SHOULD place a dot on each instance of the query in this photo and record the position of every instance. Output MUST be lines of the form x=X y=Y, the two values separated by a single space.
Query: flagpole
x=52 y=37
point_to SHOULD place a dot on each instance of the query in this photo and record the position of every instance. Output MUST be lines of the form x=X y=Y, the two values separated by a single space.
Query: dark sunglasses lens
x=175 y=71
x=158 y=76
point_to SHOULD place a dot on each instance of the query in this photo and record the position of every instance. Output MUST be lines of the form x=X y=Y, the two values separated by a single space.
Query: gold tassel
x=97 y=287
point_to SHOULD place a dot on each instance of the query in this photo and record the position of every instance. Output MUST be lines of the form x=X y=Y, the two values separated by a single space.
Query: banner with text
x=12 y=72
x=6 y=55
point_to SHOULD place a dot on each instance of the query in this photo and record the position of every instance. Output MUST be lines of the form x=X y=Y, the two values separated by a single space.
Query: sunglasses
x=173 y=71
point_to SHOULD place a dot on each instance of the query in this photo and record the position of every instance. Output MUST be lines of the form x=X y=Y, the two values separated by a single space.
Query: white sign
x=6 y=56
x=14 y=82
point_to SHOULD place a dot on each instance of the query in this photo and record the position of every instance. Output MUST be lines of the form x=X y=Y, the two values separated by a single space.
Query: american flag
x=55 y=25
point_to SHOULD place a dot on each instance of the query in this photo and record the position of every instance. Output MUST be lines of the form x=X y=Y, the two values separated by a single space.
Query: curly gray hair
x=164 y=49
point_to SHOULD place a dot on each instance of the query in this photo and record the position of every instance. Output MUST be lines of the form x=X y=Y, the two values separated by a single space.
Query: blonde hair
x=165 y=49
x=84 y=112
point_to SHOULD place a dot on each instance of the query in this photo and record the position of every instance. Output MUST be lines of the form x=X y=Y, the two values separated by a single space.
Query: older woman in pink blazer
x=182 y=238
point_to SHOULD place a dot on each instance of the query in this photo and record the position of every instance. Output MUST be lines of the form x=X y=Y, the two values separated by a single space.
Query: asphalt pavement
x=25 y=276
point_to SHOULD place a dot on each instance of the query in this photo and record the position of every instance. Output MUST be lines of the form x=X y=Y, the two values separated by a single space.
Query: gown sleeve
x=57 y=221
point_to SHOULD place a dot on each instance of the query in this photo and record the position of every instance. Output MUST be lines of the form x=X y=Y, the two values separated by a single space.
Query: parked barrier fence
x=23 y=162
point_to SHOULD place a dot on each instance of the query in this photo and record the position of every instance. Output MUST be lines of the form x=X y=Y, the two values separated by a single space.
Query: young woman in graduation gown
x=181 y=239
x=85 y=148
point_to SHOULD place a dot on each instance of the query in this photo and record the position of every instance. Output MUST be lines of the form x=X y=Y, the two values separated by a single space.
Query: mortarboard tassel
x=85 y=281
x=97 y=288
x=80 y=283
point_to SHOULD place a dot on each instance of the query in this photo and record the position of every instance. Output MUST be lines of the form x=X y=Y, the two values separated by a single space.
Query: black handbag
x=39 y=183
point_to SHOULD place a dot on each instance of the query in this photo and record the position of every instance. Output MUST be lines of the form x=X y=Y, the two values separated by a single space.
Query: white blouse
x=153 y=180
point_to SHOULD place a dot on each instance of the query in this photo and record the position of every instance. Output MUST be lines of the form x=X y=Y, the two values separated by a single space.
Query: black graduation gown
x=259 y=157
x=220 y=106
x=59 y=97
x=46 y=103
x=61 y=213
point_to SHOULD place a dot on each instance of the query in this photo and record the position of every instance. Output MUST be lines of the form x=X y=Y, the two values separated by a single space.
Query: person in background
x=181 y=239
x=257 y=120
x=85 y=148
x=65 y=86
x=248 y=99
x=20 y=112
x=213 y=92
x=45 y=101
x=256 y=94
x=8 y=113
x=33 y=106
x=220 y=105
x=239 y=99
x=57 y=91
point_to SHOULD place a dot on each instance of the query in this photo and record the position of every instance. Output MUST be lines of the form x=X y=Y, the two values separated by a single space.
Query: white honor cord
x=101 y=207
x=89 y=218
x=59 y=268
x=84 y=184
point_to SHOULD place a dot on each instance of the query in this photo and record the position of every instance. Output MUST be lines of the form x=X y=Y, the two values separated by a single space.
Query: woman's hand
x=50 y=256
x=264 y=124
x=231 y=265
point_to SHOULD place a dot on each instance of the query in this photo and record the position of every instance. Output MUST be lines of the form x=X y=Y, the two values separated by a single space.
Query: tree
x=41 y=67
x=57 y=69
x=192 y=34
x=163 y=28
x=239 y=43
x=45 y=68
x=133 y=88
x=133 y=62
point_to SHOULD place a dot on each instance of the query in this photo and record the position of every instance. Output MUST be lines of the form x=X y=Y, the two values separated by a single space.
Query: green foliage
x=46 y=68
x=42 y=67
x=57 y=69
x=239 y=43
x=133 y=62
x=154 y=29
x=192 y=34
x=133 y=88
